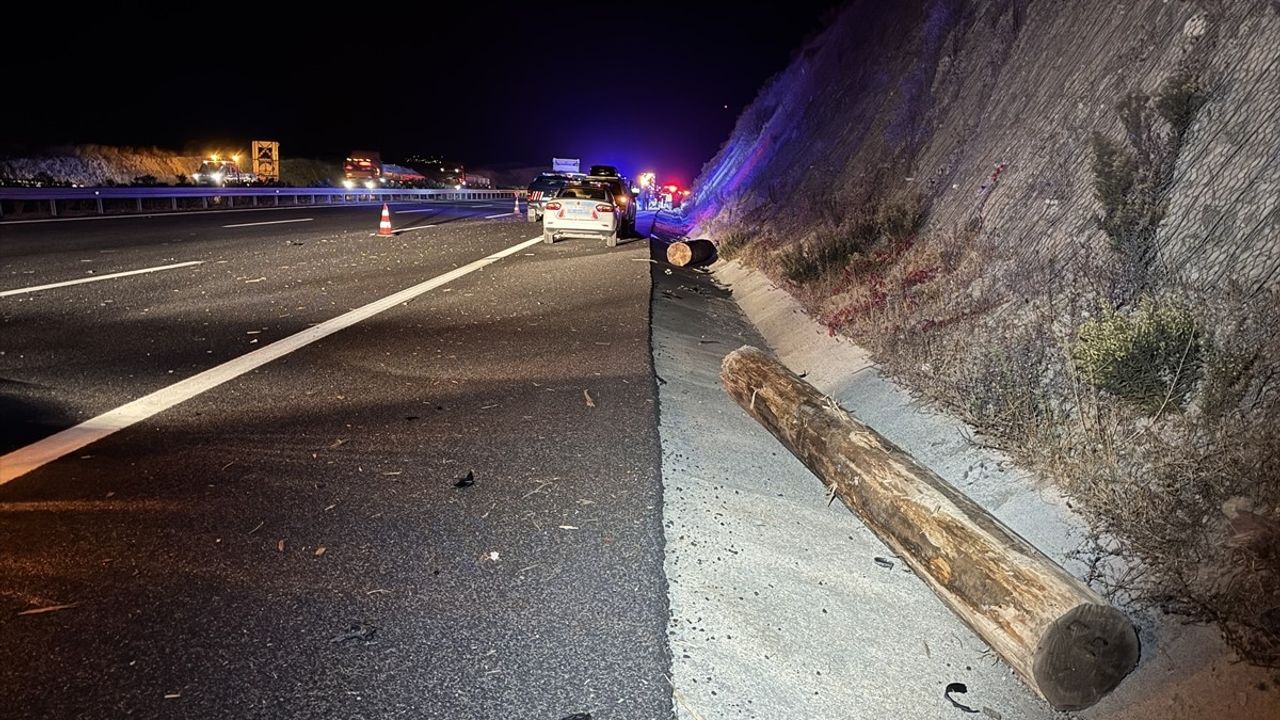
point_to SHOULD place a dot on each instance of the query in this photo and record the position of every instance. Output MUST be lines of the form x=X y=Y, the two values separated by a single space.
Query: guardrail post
x=98 y=202
x=53 y=208
x=139 y=203
x=173 y=203
x=204 y=202
x=255 y=201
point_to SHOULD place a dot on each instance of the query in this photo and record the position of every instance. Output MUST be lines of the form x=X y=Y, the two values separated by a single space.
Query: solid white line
x=270 y=222
x=96 y=278
x=23 y=460
x=420 y=210
x=505 y=214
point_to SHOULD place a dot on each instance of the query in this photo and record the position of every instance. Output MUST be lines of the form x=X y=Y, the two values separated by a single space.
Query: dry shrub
x=842 y=238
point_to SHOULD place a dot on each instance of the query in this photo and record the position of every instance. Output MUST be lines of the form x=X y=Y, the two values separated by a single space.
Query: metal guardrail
x=45 y=202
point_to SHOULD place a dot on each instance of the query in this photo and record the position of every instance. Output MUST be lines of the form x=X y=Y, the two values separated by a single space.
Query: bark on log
x=1060 y=637
x=690 y=252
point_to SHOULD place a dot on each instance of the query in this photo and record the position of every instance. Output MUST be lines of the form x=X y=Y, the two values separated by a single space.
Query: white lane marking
x=23 y=460
x=269 y=222
x=505 y=214
x=96 y=278
x=403 y=230
x=419 y=210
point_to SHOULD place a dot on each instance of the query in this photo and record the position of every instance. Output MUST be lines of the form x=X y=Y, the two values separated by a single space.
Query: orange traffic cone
x=516 y=210
x=384 y=227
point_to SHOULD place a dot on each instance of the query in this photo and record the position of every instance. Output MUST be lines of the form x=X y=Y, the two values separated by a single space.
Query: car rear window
x=584 y=193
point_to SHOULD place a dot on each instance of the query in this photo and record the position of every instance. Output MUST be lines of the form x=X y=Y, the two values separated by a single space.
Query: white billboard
x=566 y=165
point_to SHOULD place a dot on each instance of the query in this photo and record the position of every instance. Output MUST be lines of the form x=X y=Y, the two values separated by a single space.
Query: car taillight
x=553 y=205
x=604 y=207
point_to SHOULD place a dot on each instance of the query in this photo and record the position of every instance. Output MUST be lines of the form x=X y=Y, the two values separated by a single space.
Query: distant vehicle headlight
x=348 y=184
x=216 y=177
x=369 y=184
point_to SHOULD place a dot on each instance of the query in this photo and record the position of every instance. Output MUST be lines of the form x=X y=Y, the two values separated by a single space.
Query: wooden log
x=1059 y=636
x=690 y=252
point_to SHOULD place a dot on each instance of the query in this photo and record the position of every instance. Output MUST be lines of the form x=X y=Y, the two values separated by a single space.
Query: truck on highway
x=222 y=172
x=364 y=168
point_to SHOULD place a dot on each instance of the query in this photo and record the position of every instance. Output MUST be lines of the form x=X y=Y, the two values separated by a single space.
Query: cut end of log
x=690 y=252
x=1084 y=655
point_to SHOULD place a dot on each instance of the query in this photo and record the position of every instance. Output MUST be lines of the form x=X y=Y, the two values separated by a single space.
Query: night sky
x=641 y=85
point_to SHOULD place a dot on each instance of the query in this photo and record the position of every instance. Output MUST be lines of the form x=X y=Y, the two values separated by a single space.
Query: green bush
x=1179 y=99
x=1153 y=355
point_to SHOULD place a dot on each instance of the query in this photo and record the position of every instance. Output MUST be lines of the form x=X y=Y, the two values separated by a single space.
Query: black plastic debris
x=355 y=632
x=577 y=716
x=467 y=481
x=959 y=689
x=885 y=563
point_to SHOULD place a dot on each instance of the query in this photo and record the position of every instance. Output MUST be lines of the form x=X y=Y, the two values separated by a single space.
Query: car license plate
x=579 y=212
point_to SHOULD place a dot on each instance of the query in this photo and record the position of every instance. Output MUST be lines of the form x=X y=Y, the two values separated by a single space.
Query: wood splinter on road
x=1059 y=636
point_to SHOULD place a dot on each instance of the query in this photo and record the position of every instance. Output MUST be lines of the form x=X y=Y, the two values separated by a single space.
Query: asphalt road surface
x=280 y=534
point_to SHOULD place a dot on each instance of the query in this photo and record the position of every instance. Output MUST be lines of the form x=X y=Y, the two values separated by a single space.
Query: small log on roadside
x=1059 y=636
x=690 y=252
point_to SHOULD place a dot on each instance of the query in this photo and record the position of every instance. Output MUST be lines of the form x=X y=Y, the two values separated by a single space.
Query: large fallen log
x=690 y=252
x=1060 y=637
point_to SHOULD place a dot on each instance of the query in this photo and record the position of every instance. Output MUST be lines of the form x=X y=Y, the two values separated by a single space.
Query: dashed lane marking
x=269 y=222
x=96 y=278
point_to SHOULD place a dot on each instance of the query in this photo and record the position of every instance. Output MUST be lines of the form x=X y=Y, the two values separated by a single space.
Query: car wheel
x=548 y=238
x=611 y=240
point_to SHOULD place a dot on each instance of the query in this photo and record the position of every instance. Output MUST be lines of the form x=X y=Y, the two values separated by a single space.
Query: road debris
x=568 y=527
x=587 y=396
x=336 y=443
x=357 y=631
x=491 y=556
x=280 y=545
x=467 y=481
x=257 y=527
x=959 y=689
x=577 y=716
x=885 y=563
x=49 y=608
x=320 y=551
